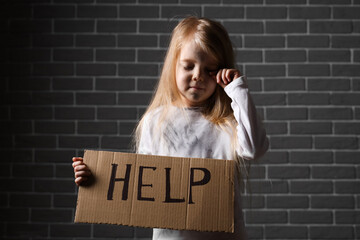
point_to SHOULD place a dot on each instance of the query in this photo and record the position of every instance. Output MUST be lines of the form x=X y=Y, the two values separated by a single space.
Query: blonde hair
x=213 y=38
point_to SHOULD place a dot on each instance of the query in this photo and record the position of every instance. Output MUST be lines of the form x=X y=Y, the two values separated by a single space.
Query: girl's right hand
x=81 y=171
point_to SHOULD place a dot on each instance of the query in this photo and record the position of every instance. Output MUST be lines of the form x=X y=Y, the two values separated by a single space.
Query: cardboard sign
x=158 y=192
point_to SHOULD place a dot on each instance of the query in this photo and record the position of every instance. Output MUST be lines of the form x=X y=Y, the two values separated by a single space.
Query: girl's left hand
x=226 y=76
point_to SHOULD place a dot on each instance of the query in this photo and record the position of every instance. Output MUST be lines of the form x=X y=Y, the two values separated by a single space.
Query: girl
x=201 y=109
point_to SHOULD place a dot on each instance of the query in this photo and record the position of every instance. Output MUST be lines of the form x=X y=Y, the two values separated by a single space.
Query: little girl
x=201 y=109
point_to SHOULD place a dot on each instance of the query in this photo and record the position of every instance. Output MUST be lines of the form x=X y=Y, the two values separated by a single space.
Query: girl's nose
x=197 y=75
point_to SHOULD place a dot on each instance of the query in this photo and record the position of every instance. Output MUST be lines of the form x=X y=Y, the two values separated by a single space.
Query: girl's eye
x=212 y=72
x=187 y=68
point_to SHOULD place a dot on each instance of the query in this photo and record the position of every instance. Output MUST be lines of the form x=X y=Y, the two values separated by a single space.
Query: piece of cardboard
x=158 y=192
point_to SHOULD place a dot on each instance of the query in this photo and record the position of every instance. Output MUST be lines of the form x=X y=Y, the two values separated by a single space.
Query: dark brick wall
x=78 y=74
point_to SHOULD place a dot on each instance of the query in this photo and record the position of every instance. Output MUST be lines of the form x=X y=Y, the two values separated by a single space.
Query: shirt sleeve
x=251 y=134
x=145 y=143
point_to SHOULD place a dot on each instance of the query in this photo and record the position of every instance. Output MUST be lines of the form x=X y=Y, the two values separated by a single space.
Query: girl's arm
x=251 y=134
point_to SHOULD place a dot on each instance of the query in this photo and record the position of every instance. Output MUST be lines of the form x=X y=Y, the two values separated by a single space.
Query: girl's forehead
x=191 y=50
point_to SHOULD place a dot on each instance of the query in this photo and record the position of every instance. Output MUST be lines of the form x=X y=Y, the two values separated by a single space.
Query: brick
x=286 y=202
x=146 y=84
x=114 y=55
x=328 y=84
x=254 y=232
x=286 y=1
x=54 y=186
x=244 y=26
x=308 y=99
x=329 y=56
x=333 y=232
x=143 y=232
x=284 y=172
x=16 y=69
x=116 y=113
x=336 y=143
x=53 y=98
x=137 y=69
x=333 y=172
x=286 y=113
x=285 y=56
x=311 y=157
x=54 y=127
x=158 y=26
x=58 y=11
x=75 y=112
x=147 y=55
x=278 y=157
x=25 y=141
x=264 y=41
x=113 y=231
x=286 y=84
x=330 y=113
x=269 y=99
x=138 y=40
x=266 y=12
x=200 y=1
x=313 y=41
x=98 y=11
x=116 y=26
x=347 y=187
x=286 y=27
x=263 y=217
x=140 y=11
x=96 y=98
x=223 y=12
x=285 y=232
x=72 y=55
x=27 y=230
x=32 y=55
x=116 y=142
x=250 y=202
x=356 y=56
x=265 y=70
x=248 y=56
x=345 y=42
x=17 y=155
x=32 y=170
x=347 y=128
x=269 y=187
x=65 y=200
x=310 y=128
x=16 y=127
x=341 y=202
x=331 y=27
x=311 y=187
x=309 y=12
x=291 y=142
x=53 y=40
x=346 y=70
x=311 y=217
x=276 y=128
x=171 y=11
x=64 y=171
x=95 y=69
x=127 y=127
x=51 y=215
x=347 y=217
x=14 y=214
x=29 y=84
x=98 y=40
x=134 y=98
x=53 y=69
x=30 y=26
x=115 y=84
x=346 y=12
x=335 y=2
x=17 y=98
x=309 y=70
x=78 y=83
x=74 y=26
x=356 y=85
x=30 y=200
x=101 y=128
x=351 y=157
x=78 y=142
x=70 y=230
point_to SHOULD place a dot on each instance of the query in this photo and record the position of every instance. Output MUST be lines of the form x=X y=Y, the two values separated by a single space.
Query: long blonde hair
x=213 y=38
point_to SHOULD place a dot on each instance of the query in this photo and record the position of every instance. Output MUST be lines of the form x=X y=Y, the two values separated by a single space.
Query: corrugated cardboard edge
x=230 y=165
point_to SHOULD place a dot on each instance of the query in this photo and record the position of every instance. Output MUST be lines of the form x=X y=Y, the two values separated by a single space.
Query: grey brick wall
x=78 y=74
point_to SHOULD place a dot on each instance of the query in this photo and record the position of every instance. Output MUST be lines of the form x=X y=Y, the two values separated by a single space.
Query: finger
x=223 y=76
x=77 y=159
x=82 y=167
x=218 y=76
x=79 y=180
x=77 y=163
x=82 y=174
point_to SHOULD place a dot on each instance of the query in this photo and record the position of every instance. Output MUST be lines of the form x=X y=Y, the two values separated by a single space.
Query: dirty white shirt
x=187 y=133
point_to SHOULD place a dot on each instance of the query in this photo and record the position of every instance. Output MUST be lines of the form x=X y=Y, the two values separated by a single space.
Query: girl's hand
x=226 y=76
x=82 y=172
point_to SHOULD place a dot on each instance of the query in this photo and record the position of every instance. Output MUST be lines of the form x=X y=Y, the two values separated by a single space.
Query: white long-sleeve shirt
x=186 y=133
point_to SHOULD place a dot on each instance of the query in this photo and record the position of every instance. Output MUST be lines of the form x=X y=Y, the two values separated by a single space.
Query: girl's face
x=195 y=75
